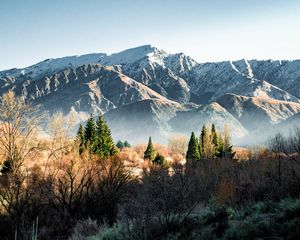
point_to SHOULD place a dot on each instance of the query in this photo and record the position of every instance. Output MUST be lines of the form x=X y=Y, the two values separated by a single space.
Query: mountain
x=254 y=112
x=145 y=90
x=187 y=121
x=149 y=117
x=212 y=80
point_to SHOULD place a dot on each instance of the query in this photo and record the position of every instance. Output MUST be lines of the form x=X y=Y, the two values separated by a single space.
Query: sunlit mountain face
x=161 y=94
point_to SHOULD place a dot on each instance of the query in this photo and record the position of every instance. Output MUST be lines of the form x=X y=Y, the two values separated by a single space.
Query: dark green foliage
x=104 y=145
x=262 y=220
x=203 y=139
x=192 y=154
x=220 y=152
x=80 y=139
x=120 y=144
x=230 y=153
x=159 y=160
x=96 y=137
x=90 y=131
x=127 y=144
x=214 y=136
x=5 y=167
x=149 y=154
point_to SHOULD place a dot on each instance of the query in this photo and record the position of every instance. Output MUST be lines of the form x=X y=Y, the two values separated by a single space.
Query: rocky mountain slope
x=146 y=91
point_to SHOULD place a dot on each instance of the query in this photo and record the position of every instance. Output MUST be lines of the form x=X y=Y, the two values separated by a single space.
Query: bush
x=84 y=228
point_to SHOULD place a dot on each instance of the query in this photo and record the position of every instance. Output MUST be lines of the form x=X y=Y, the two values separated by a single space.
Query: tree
x=104 y=144
x=278 y=146
x=214 y=135
x=204 y=138
x=120 y=144
x=80 y=138
x=220 y=148
x=159 y=159
x=149 y=154
x=90 y=132
x=19 y=187
x=192 y=154
x=178 y=144
x=18 y=125
x=127 y=144
x=227 y=138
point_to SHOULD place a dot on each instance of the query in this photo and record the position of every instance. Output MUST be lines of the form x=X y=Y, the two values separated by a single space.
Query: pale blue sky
x=210 y=30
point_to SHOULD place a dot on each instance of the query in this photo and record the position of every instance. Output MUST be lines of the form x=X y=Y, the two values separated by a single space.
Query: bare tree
x=278 y=146
x=178 y=144
x=18 y=126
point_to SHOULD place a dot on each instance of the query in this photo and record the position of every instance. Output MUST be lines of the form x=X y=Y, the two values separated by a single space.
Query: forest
x=55 y=186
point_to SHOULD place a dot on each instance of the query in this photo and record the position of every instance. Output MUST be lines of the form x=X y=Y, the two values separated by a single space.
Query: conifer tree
x=220 y=148
x=214 y=135
x=200 y=146
x=159 y=160
x=90 y=131
x=80 y=139
x=214 y=141
x=120 y=144
x=149 y=154
x=127 y=144
x=204 y=142
x=104 y=145
x=192 y=154
x=229 y=152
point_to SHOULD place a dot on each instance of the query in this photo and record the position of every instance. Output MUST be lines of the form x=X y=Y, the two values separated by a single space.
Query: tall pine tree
x=149 y=154
x=80 y=139
x=214 y=141
x=192 y=154
x=204 y=142
x=104 y=144
x=90 y=133
x=214 y=135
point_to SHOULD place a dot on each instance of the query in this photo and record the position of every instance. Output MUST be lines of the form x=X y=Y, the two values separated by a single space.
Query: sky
x=206 y=30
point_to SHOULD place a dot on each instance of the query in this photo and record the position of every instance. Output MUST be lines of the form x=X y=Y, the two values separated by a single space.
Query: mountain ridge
x=101 y=83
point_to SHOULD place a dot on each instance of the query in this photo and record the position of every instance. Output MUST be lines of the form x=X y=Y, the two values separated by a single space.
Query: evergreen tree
x=192 y=154
x=90 y=132
x=159 y=160
x=120 y=144
x=149 y=154
x=229 y=152
x=80 y=138
x=127 y=144
x=214 y=141
x=104 y=145
x=214 y=135
x=204 y=142
x=220 y=148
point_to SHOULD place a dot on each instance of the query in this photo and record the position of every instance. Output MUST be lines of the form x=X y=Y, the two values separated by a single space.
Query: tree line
x=210 y=145
x=96 y=138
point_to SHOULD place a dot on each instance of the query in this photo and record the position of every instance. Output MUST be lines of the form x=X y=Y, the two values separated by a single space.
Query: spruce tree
x=90 y=132
x=120 y=144
x=214 y=135
x=104 y=144
x=127 y=144
x=192 y=154
x=204 y=142
x=220 y=148
x=80 y=139
x=149 y=154
x=214 y=141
